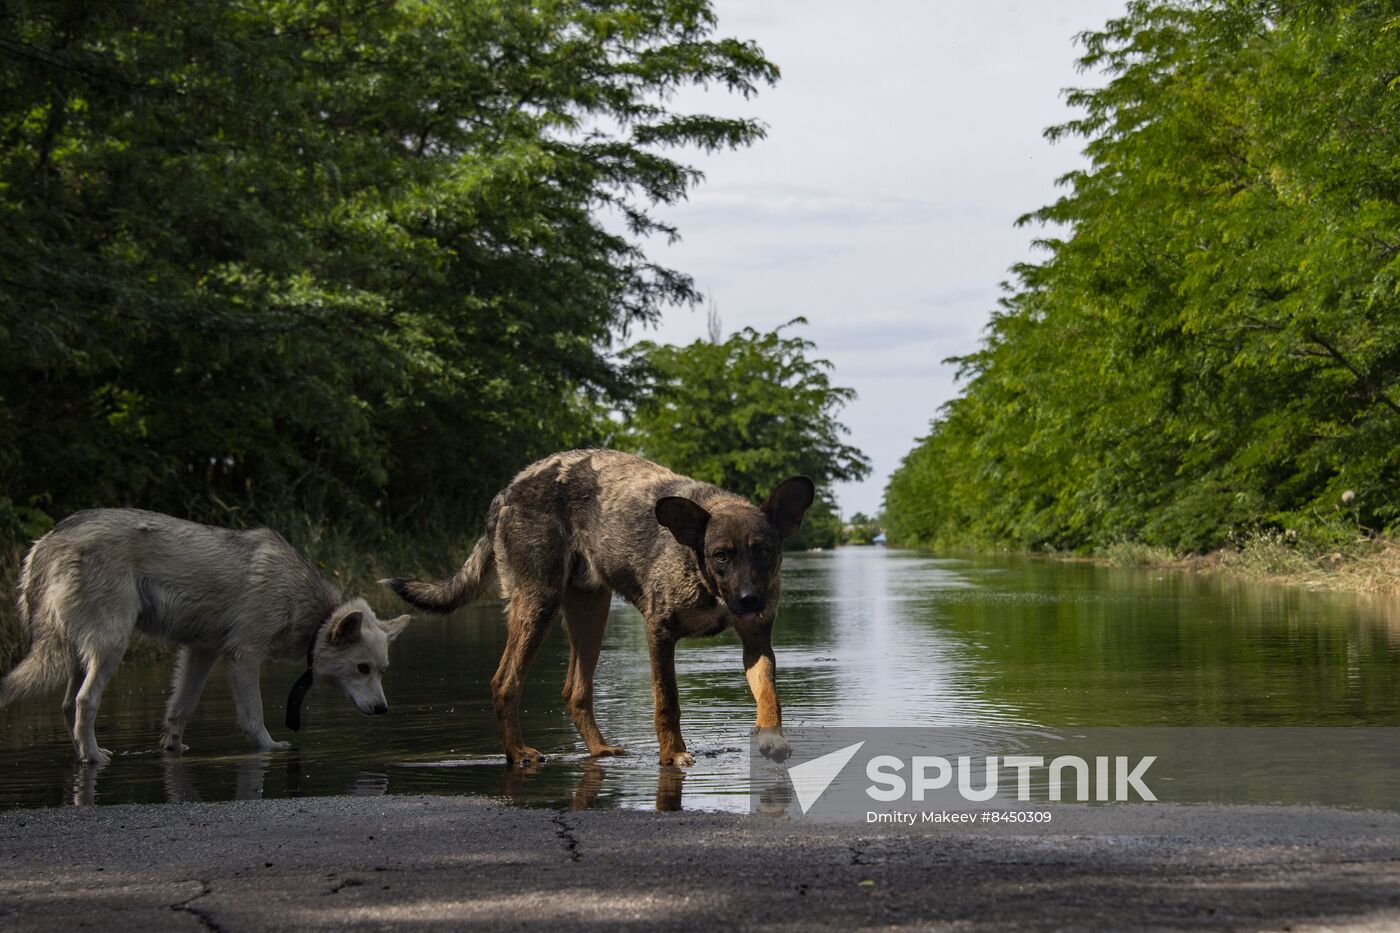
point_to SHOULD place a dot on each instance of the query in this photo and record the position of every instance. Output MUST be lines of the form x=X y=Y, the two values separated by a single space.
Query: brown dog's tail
x=457 y=590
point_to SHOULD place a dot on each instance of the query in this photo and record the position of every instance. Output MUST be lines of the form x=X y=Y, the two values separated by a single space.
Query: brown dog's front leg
x=668 y=703
x=760 y=668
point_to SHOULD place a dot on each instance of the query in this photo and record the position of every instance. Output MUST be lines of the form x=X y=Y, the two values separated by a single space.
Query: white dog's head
x=352 y=652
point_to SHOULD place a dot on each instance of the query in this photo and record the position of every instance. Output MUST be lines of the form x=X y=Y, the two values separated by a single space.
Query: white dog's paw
x=95 y=756
x=172 y=743
x=274 y=746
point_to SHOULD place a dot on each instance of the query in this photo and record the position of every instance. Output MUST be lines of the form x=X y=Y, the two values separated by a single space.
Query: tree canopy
x=860 y=529
x=1213 y=341
x=362 y=259
x=746 y=413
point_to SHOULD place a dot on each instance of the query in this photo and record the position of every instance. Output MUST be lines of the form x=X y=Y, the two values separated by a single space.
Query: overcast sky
x=904 y=141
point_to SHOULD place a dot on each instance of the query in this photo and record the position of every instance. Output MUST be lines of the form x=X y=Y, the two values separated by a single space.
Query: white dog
x=216 y=592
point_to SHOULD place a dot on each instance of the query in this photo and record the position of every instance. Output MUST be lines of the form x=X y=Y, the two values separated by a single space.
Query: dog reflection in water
x=249 y=773
x=515 y=781
x=178 y=779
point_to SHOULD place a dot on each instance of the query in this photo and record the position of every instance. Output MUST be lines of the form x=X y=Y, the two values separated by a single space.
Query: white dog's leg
x=247 y=696
x=99 y=670
x=70 y=697
x=191 y=671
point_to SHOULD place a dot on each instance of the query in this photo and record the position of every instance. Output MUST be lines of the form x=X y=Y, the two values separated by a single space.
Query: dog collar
x=307 y=679
x=707 y=581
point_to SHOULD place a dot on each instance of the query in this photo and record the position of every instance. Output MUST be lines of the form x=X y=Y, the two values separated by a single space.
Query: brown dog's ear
x=685 y=519
x=346 y=629
x=786 y=505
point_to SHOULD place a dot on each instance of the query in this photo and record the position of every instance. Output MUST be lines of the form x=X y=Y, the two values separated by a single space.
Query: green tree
x=745 y=414
x=860 y=529
x=348 y=258
x=1213 y=341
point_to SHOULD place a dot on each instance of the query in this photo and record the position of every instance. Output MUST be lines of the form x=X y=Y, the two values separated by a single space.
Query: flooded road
x=865 y=637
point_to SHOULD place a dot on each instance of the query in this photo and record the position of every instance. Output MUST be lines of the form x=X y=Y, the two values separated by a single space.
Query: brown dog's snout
x=750 y=602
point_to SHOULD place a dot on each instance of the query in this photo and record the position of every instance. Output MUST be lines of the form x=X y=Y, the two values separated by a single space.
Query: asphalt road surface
x=443 y=862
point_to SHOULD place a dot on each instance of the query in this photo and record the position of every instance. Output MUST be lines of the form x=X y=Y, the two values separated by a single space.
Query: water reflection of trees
x=1078 y=644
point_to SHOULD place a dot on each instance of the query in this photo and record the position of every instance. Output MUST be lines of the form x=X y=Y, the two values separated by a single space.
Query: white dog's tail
x=457 y=590
x=45 y=667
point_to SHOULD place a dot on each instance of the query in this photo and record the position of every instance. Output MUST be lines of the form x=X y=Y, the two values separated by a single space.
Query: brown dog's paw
x=524 y=757
x=678 y=759
x=603 y=751
x=772 y=745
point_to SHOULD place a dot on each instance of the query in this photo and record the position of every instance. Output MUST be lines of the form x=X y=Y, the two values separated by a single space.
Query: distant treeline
x=349 y=264
x=1213 y=343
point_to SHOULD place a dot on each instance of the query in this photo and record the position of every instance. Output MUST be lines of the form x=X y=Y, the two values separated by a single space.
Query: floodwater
x=866 y=636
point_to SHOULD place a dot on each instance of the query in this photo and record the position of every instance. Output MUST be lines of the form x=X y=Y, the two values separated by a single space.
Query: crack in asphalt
x=206 y=921
x=343 y=884
x=566 y=833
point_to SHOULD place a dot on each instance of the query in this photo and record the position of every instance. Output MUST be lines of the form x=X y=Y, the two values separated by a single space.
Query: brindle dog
x=574 y=528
